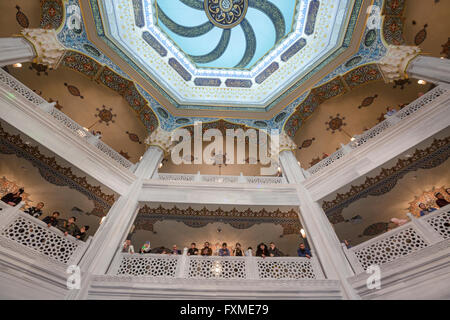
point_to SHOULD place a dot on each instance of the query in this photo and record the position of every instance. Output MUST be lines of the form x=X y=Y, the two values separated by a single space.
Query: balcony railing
x=219 y=179
x=14 y=86
x=31 y=237
x=412 y=237
x=215 y=267
x=371 y=134
x=3 y=206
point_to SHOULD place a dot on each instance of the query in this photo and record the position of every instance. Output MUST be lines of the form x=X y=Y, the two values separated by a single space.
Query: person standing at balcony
x=224 y=251
x=441 y=202
x=262 y=250
x=347 y=244
x=127 y=247
x=424 y=210
x=52 y=221
x=82 y=233
x=193 y=251
x=303 y=252
x=206 y=251
x=274 y=251
x=70 y=227
x=97 y=134
x=390 y=111
x=13 y=198
x=249 y=252
x=175 y=250
x=237 y=252
x=35 y=211
x=146 y=247
x=216 y=249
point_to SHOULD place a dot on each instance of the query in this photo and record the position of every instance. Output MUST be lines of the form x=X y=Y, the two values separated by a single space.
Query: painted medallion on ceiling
x=226 y=14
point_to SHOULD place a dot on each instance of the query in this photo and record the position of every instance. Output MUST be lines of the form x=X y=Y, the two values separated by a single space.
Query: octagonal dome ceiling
x=329 y=49
x=198 y=60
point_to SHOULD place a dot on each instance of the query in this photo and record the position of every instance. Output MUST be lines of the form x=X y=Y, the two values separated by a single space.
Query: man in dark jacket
x=193 y=251
x=70 y=227
x=82 y=233
x=175 y=250
x=52 y=221
x=206 y=251
x=35 y=211
x=303 y=252
x=274 y=251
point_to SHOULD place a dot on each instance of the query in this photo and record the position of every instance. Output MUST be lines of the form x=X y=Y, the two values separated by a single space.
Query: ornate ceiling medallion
x=226 y=14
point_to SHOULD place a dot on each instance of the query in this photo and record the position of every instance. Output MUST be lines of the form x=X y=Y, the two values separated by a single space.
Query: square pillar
x=319 y=229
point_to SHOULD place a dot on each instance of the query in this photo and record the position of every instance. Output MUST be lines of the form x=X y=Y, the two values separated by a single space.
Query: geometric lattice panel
x=139 y=265
x=391 y=248
x=285 y=270
x=39 y=238
x=216 y=268
x=441 y=223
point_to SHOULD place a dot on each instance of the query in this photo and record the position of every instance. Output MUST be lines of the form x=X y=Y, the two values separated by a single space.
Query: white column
x=430 y=69
x=118 y=222
x=15 y=50
x=319 y=230
x=115 y=227
x=291 y=169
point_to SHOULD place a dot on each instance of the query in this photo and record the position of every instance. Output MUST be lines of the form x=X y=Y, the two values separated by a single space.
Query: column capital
x=394 y=64
x=49 y=51
x=286 y=143
x=160 y=138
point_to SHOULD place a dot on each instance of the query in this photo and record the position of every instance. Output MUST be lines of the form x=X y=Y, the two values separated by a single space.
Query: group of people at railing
x=262 y=250
x=68 y=227
x=425 y=209
x=440 y=202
